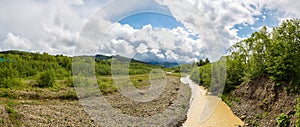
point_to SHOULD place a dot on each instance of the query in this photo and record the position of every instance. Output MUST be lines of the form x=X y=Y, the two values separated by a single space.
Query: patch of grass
x=7 y=93
x=265 y=114
x=236 y=99
x=13 y=115
x=183 y=105
x=258 y=116
x=106 y=85
x=255 y=124
x=1 y=121
x=226 y=99
x=69 y=95
x=140 y=81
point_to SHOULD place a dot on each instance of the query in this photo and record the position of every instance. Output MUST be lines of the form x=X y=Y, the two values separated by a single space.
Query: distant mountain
x=15 y=52
x=118 y=57
x=164 y=64
x=101 y=57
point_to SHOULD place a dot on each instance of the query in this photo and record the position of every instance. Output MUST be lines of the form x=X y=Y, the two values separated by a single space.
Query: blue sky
x=268 y=18
x=159 y=20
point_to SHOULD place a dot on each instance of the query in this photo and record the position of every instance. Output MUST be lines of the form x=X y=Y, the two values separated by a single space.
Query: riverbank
x=208 y=111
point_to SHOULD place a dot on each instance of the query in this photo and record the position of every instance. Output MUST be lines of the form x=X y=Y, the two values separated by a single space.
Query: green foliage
x=275 y=54
x=283 y=120
x=9 y=78
x=282 y=57
x=298 y=113
x=46 y=79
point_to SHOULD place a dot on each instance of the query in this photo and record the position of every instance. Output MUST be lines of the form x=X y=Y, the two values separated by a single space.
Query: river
x=208 y=111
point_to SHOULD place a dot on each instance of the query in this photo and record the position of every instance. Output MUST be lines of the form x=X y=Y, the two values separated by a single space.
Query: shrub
x=10 y=82
x=46 y=79
x=283 y=120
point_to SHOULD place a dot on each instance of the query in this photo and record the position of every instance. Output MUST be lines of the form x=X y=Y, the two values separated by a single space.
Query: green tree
x=283 y=54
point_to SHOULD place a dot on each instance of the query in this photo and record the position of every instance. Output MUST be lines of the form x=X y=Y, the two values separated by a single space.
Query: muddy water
x=208 y=111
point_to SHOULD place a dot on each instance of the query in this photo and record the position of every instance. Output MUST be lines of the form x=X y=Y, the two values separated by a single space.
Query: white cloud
x=13 y=42
x=149 y=41
x=53 y=26
x=290 y=8
x=75 y=2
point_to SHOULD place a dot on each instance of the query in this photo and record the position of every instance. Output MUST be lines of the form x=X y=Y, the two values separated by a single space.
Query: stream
x=206 y=110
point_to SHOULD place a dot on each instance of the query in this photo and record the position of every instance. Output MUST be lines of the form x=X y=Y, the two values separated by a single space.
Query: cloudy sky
x=148 y=30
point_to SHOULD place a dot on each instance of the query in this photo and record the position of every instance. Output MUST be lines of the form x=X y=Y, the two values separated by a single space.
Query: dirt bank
x=260 y=101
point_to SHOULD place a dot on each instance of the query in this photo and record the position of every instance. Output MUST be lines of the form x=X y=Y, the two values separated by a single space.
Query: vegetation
x=298 y=114
x=274 y=54
x=50 y=77
x=283 y=120
x=202 y=62
x=46 y=79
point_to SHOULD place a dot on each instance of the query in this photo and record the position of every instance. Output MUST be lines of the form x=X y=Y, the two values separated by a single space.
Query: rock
x=243 y=117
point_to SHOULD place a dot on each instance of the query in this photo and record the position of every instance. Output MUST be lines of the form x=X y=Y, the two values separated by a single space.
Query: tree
x=282 y=57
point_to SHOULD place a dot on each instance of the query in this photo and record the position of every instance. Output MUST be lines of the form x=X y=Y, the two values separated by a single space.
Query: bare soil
x=260 y=101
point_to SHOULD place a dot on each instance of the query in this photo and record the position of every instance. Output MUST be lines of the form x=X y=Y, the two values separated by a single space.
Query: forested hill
x=263 y=73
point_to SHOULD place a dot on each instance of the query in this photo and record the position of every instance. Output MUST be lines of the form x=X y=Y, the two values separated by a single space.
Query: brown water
x=208 y=111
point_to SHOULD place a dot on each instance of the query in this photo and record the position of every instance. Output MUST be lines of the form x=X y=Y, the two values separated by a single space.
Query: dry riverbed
x=41 y=111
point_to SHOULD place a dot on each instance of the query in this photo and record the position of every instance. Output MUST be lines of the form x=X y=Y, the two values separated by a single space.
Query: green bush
x=10 y=83
x=46 y=79
x=283 y=120
x=298 y=113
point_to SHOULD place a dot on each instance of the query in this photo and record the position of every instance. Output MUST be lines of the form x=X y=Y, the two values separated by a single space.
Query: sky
x=148 y=30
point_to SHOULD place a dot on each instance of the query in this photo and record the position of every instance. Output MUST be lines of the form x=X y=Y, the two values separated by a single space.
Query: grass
x=64 y=88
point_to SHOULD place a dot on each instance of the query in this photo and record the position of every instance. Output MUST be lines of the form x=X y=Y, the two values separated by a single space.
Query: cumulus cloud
x=47 y=26
x=54 y=26
x=13 y=42
x=290 y=8
x=101 y=35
